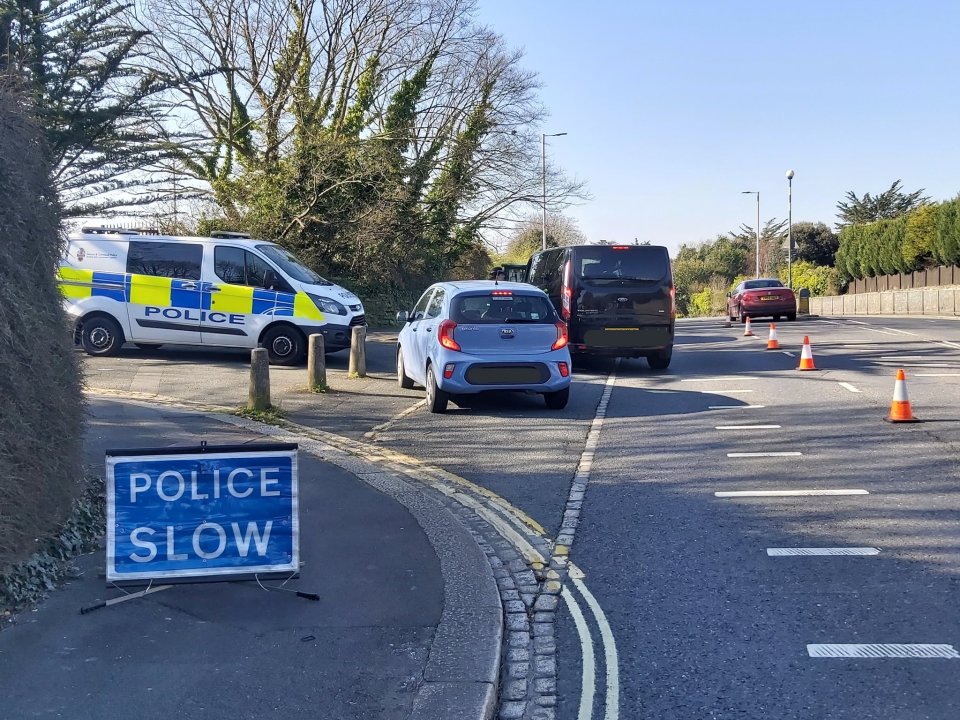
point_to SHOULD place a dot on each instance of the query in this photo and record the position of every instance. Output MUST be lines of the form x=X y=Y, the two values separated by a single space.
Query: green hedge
x=927 y=236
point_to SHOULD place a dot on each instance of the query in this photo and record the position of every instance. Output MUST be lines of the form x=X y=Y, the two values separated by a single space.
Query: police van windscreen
x=489 y=309
x=624 y=262
x=289 y=263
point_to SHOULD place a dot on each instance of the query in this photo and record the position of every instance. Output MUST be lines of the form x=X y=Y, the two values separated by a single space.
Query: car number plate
x=769 y=297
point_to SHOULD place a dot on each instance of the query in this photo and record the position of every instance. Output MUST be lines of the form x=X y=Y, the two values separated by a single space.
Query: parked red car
x=760 y=298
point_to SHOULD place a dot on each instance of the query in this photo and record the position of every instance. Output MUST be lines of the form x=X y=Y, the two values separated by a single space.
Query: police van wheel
x=101 y=335
x=284 y=345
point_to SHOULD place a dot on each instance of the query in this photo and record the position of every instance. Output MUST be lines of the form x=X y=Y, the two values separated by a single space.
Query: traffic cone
x=747 y=332
x=900 y=411
x=806 y=356
x=772 y=342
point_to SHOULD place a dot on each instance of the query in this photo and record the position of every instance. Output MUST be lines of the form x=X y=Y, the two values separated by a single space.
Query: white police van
x=226 y=290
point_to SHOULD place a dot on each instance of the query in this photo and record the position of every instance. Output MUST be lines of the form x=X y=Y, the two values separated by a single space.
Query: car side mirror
x=403 y=316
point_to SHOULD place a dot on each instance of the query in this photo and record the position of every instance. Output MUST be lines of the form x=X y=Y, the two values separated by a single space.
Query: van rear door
x=622 y=296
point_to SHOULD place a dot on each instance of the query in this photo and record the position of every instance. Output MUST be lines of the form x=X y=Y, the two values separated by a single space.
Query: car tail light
x=564 y=369
x=566 y=295
x=445 y=335
x=448 y=370
x=562 y=336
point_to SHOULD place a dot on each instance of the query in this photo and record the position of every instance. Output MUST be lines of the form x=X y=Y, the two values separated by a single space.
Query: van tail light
x=673 y=301
x=564 y=369
x=566 y=295
x=445 y=335
x=562 y=337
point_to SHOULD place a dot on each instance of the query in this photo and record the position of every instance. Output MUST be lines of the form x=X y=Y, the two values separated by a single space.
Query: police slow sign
x=203 y=513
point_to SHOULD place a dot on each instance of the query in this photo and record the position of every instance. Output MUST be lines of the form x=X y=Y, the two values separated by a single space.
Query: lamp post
x=757 y=193
x=790 y=229
x=543 y=177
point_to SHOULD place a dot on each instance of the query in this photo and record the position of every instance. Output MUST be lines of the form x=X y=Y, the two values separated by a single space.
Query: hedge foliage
x=927 y=236
x=40 y=401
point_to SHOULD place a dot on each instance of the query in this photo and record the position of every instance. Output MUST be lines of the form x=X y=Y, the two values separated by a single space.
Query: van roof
x=144 y=234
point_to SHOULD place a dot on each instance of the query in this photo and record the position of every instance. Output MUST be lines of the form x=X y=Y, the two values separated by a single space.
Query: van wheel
x=660 y=361
x=436 y=398
x=101 y=336
x=402 y=379
x=557 y=400
x=284 y=345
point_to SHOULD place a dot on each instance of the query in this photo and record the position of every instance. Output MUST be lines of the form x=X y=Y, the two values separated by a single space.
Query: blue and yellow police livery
x=226 y=291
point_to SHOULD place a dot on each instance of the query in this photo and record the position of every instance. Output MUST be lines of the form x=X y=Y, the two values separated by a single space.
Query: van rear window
x=634 y=262
x=486 y=309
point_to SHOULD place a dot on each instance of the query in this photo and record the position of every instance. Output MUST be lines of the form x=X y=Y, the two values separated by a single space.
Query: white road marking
x=735 y=407
x=786 y=352
x=724 y=392
x=383 y=427
x=882 y=650
x=612 y=703
x=763 y=454
x=588 y=675
x=806 y=552
x=748 y=427
x=894 y=363
x=856 y=322
x=936 y=374
x=787 y=493
x=720 y=377
x=848 y=386
x=904 y=357
x=900 y=332
x=949 y=344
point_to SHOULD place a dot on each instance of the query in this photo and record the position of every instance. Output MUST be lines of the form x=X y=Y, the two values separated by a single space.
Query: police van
x=225 y=290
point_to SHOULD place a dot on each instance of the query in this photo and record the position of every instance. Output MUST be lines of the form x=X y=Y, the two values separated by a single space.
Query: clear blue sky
x=673 y=108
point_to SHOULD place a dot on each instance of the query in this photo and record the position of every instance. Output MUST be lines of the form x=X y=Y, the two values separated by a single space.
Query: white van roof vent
x=228 y=235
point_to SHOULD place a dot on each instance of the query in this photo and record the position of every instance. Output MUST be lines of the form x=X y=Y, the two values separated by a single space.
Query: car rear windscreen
x=490 y=309
x=633 y=262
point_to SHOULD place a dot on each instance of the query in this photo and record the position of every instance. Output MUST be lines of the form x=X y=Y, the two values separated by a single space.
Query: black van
x=617 y=300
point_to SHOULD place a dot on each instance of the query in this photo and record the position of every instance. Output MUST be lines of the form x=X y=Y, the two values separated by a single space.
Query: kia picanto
x=465 y=338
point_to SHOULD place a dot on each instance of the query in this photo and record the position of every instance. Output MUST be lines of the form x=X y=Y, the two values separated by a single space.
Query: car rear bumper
x=771 y=308
x=472 y=375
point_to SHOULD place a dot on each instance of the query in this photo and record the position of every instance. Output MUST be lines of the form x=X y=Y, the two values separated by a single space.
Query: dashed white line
x=787 y=352
x=748 y=427
x=720 y=378
x=763 y=454
x=588 y=673
x=787 y=493
x=883 y=650
x=817 y=552
x=848 y=386
x=735 y=407
x=936 y=375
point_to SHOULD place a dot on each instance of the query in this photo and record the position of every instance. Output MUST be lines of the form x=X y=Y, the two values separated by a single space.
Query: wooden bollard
x=259 y=396
x=316 y=363
x=358 y=352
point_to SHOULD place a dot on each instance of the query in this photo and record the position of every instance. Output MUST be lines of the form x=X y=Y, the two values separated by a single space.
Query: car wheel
x=402 y=380
x=284 y=345
x=436 y=398
x=660 y=361
x=101 y=336
x=557 y=400
x=791 y=316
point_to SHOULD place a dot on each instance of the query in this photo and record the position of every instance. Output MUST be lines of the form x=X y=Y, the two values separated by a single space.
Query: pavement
x=408 y=624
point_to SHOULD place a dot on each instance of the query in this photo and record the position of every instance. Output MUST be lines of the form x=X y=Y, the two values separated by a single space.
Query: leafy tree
x=919 y=237
x=815 y=242
x=891 y=203
x=773 y=253
x=81 y=62
x=946 y=245
x=818 y=279
x=527 y=237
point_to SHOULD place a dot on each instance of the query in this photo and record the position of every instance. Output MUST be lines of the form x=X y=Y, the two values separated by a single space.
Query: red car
x=760 y=298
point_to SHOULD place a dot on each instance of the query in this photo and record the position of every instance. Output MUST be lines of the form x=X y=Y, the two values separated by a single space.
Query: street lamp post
x=790 y=229
x=757 y=193
x=543 y=177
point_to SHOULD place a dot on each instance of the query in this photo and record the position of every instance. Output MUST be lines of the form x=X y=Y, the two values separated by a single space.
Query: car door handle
x=189 y=286
x=213 y=288
x=430 y=329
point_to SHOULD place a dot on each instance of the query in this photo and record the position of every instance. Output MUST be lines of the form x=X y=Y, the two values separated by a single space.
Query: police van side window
x=228 y=264
x=241 y=267
x=172 y=260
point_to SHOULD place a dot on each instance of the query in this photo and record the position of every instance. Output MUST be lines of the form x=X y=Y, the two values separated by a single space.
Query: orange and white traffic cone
x=772 y=342
x=747 y=332
x=900 y=411
x=806 y=356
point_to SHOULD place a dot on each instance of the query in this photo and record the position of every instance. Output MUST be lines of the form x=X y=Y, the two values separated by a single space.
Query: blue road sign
x=202 y=513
